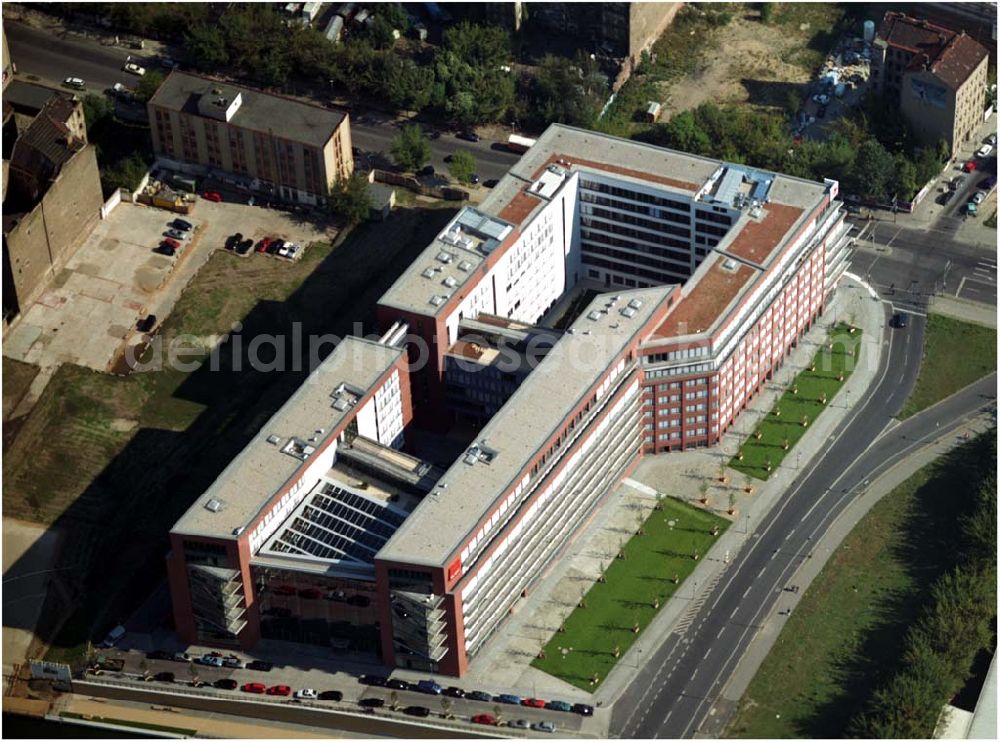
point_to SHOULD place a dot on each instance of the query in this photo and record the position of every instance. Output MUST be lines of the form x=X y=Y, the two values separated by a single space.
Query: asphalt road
x=908 y=264
x=681 y=683
x=53 y=58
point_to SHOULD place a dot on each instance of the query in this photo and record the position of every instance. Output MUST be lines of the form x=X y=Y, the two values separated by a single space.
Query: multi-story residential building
x=51 y=195
x=293 y=150
x=711 y=272
x=935 y=75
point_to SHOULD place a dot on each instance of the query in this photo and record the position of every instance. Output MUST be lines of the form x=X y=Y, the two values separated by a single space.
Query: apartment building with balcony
x=937 y=77
x=284 y=148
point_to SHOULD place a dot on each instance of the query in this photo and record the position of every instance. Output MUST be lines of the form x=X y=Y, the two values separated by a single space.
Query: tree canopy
x=410 y=149
x=462 y=166
x=349 y=199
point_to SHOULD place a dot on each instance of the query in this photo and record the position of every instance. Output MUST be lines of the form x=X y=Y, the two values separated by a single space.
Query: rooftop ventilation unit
x=273 y=440
x=342 y=405
x=465 y=266
x=450 y=282
x=428 y=273
x=628 y=312
x=437 y=300
x=729 y=265
x=299 y=449
x=444 y=257
x=594 y=315
x=213 y=505
x=635 y=303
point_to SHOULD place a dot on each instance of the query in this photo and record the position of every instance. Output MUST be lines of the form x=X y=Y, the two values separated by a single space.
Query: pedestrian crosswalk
x=681 y=627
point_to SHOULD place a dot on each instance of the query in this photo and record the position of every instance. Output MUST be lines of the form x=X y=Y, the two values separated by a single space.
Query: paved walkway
x=505 y=662
x=963 y=309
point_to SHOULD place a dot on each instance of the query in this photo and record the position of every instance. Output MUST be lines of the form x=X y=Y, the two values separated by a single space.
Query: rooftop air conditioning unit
x=213 y=505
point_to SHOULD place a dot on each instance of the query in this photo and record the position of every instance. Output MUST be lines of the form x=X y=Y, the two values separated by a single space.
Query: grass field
x=114 y=461
x=845 y=636
x=635 y=589
x=778 y=433
x=956 y=354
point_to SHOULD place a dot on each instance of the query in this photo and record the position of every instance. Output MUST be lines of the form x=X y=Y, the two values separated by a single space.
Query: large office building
x=704 y=276
x=292 y=150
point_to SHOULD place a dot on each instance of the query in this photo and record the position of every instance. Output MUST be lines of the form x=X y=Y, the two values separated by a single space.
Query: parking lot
x=115 y=279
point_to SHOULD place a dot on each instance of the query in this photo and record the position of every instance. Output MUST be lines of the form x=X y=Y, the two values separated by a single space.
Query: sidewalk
x=771 y=625
x=965 y=310
x=505 y=662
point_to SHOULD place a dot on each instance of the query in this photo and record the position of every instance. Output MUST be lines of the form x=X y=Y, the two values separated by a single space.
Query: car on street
x=468 y=136
x=279 y=690
x=234 y=663
x=969 y=166
x=181 y=224
x=74 y=82
x=558 y=706
x=509 y=698
x=121 y=92
x=421 y=711
x=225 y=684
x=177 y=234
x=984 y=151
x=397 y=684
x=544 y=726
x=146 y=324
x=372 y=703
x=488 y=719
x=378 y=681
x=254 y=688
x=454 y=692
x=898 y=320
x=164 y=249
x=260 y=666
x=979 y=197
x=331 y=695
x=212 y=196
x=945 y=197
x=429 y=686
x=159 y=654
x=535 y=703
x=988 y=184
x=164 y=677
x=583 y=709
x=479 y=695
x=991 y=140
x=134 y=69
x=209 y=660
x=181 y=657
x=306 y=694
x=956 y=183
x=520 y=724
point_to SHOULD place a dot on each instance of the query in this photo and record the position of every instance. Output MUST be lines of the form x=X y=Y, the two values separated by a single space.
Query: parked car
x=488 y=719
x=397 y=684
x=209 y=660
x=74 y=82
x=979 y=197
x=945 y=197
x=969 y=166
x=306 y=694
x=273 y=247
x=283 y=253
x=134 y=69
x=491 y=183
x=535 y=703
x=984 y=151
x=429 y=686
x=233 y=240
x=121 y=92
x=177 y=234
x=212 y=196
x=544 y=726
x=254 y=688
x=182 y=224
x=454 y=692
x=559 y=706
x=991 y=140
x=225 y=684
x=244 y=247
x=181 y=657
x=146 y=324
x=331 y=695
x=264 y=242
x=421 y=711
x=168 y=63
x=426 y=171
x=378 y=681
x=372 y=703
x=474 y=178
x=279 y=690
x=520 y=724
x=164 y=677
x=583 y=709
x=468 y=136
x=233 y=662
x=171 y=242
x=159 y=654
x=479 y=695
x=988 y=184
x=260 y=666
x=509 y=698
x=164 y=249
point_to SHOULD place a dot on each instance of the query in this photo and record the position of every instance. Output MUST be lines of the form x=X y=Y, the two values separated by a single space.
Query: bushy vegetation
x=462 y=166
x=350 y=200
x=410 y=149
x=123 y=150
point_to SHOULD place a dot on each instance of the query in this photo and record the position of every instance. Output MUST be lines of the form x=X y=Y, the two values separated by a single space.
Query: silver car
x=544 y=726
x=520 y=724
x=178 y=234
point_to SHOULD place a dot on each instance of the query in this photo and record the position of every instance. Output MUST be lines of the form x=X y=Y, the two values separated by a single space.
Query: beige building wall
x=48 y=236
x=957 y=120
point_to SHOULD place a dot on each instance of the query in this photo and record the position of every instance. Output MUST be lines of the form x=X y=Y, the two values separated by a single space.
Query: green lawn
x=636 y=588
x=956 y=354
x=782 y=428
x=845 y=636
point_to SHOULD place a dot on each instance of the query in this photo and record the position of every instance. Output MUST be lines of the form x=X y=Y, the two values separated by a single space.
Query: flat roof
x=273 y=115
x=262 y=468
x=447 y=517
x=714 y=287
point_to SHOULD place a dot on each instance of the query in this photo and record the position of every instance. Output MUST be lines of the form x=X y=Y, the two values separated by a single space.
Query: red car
x=212 y=196
x=253 y=688
x=489 y=719
x=262 y=245
x=279 y=690
x=172 y=242
x=535 y=703
x=969 y=166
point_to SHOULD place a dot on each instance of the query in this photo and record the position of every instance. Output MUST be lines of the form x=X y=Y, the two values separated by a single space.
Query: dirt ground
x=750 y=62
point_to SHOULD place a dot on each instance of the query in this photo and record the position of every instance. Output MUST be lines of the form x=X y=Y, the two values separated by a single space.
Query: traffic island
x=636 y=580
x=809 y=394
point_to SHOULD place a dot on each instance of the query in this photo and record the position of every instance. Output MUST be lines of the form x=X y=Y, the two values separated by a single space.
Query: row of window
x=646 y=198
x=654 y=211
